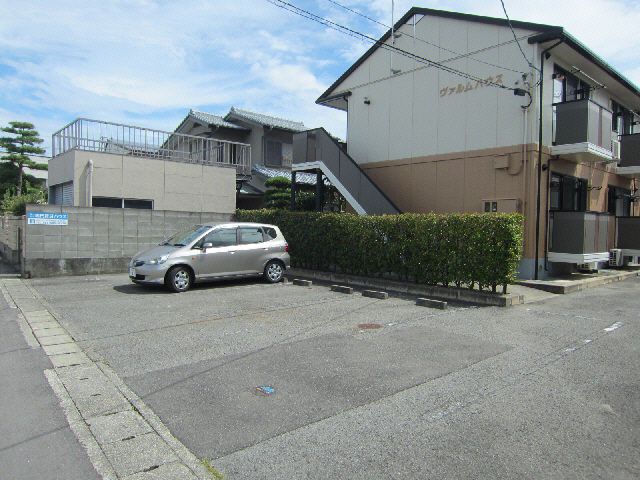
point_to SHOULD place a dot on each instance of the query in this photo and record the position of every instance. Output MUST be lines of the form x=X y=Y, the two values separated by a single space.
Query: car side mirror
x=207 y=245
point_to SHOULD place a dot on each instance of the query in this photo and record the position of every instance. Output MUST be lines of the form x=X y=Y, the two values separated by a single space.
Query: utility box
x=501 y=205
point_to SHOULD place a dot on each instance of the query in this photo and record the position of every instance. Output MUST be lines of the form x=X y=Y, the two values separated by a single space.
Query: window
x=567 y=87
x=619 y=201
x=108 y=202
x=567 y=193
x=61 y=194
x=272 y=153
x=225 y=237
x=114 y=202
x=623 y=119
x=251 y=235
x=135 y=203
x=271 y=233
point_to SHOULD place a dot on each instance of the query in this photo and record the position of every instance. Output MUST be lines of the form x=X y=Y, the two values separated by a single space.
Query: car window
x=271 y=233
x=225 y=237
x=251 y=235
x=184 y=237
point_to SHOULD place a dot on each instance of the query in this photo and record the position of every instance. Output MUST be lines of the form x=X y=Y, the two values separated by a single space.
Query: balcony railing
x=630 y=150
x=98 y=136
x=579 y=237
x=583 y=131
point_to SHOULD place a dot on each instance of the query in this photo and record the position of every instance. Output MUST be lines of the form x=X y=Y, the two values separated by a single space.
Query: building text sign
x=37 y=218
x=462 y=88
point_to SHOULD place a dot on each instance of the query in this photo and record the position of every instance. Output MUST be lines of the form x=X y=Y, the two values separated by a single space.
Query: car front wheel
x=274 y=271
x=179 y=279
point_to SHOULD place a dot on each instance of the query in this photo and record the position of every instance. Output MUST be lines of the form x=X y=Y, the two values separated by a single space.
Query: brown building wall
x=459 y=182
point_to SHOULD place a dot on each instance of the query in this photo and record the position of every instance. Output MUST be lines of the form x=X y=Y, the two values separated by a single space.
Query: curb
x=460 y=295
x=574 y=286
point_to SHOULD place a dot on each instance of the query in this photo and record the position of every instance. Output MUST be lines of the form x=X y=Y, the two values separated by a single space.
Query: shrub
x=470 y=250
x=16 y=204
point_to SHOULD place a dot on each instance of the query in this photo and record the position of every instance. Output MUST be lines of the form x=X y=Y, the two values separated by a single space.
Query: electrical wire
x=468 y=55
x=516 y=38
x=353 y=33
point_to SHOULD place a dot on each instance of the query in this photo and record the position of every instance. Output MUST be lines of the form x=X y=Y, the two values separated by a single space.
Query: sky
x=147 y=62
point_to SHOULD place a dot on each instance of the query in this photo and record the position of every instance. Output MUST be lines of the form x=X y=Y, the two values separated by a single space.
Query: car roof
x=238 y=224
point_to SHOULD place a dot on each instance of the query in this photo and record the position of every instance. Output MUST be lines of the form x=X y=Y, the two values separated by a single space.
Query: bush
x=469 y=250
x=16 y=204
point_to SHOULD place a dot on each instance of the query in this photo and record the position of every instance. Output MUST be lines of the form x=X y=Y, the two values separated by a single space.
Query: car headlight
x=159 y=260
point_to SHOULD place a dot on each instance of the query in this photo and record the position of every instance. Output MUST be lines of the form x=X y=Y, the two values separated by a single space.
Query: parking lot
x=275 y=380
x=211 y=349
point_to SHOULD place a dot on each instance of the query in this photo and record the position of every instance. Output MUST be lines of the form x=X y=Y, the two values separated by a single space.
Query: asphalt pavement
x=299 y=381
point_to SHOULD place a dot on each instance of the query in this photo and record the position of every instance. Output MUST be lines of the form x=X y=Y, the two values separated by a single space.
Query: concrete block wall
x=10 y=238
x=97 y=240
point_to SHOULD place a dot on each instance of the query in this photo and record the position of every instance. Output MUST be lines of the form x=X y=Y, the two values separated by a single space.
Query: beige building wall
x=171 y=185
x=422 y=111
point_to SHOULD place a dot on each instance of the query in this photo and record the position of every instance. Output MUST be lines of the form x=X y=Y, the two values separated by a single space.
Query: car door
x=220 y=259
x=252 y=249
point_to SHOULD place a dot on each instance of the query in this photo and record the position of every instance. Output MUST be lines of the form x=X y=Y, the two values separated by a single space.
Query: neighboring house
x=102 y=164
x=444 y=116
x=270 y=138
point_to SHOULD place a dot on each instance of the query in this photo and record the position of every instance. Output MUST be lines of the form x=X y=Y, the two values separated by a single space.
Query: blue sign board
x=39 y=218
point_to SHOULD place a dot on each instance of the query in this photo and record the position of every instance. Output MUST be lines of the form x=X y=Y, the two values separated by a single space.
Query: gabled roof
x=207 y=119
x=262 y=120
x=545 y=33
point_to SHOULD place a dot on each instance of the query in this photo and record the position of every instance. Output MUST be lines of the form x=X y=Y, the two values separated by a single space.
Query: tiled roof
x=211 y=119
x=267 y=120
x=306 y=178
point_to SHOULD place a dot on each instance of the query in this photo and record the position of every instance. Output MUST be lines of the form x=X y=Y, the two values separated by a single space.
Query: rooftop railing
x=98 y=136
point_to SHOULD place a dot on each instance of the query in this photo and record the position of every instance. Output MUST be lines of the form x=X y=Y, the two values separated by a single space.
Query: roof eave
x=577 y=46
x=329 y=93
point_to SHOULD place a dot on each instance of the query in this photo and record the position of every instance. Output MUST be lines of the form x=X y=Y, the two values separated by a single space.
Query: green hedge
x=462 y=250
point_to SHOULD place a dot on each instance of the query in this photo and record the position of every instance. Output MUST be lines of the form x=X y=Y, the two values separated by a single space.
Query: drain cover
x=264 y=390
x=369 y=326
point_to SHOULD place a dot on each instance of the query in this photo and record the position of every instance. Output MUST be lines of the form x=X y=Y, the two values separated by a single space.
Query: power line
x=341 y=28
x=424 y=41
x=516 y=38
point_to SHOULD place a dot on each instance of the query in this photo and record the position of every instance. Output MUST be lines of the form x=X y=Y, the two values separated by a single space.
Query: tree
x=19 y=148
x=279 y=196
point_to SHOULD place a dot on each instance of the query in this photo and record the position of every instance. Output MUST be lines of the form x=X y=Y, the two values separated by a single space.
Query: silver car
x=208 y=252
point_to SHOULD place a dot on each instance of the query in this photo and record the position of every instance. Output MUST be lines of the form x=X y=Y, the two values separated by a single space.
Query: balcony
x=98 y=136
x=582 y=132
x=629 y=155
x=628 y=235
x=579 y=237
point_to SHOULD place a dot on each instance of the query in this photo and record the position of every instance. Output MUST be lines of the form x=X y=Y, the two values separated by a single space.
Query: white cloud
x=146 y=62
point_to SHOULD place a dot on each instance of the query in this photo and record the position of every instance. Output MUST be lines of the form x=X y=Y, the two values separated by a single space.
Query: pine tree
x=279 y=196
x=19 y=148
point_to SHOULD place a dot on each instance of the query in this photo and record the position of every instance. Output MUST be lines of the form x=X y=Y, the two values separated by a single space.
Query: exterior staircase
x=316 y=151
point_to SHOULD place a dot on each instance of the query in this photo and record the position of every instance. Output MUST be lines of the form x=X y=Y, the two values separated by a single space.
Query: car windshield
x=186 y=236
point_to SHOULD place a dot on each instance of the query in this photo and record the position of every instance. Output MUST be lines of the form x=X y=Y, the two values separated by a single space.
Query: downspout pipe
x=90 y=186
x=543 y=57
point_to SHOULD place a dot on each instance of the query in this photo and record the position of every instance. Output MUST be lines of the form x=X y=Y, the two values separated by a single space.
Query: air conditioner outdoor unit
x=588 y=267
x=615 y=258
x=615 y=149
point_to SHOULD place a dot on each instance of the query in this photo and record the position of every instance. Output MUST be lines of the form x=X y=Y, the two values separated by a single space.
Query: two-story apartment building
x=451 y=112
